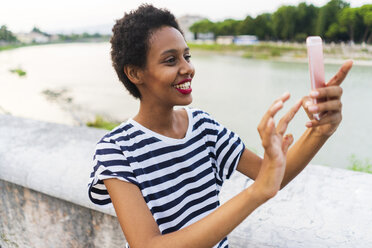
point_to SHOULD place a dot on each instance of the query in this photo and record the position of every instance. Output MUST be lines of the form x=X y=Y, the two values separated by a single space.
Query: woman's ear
x=133 y=73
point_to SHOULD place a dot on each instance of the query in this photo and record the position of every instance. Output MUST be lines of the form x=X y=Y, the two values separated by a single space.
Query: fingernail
x=309 y=124
x=308 y=103
x=313 y=108
x=285 y=94
x=314 y=93
x=278 y=104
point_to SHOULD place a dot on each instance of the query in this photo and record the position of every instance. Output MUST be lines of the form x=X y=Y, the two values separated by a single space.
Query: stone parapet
x=44 y=172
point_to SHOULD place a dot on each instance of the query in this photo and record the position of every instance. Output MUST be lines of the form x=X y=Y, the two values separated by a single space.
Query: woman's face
x=166 y=79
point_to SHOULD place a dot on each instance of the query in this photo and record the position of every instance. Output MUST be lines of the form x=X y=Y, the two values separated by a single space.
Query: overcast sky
x=67 y=15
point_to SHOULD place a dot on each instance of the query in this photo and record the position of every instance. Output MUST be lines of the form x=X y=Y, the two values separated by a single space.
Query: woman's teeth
x=183 y=86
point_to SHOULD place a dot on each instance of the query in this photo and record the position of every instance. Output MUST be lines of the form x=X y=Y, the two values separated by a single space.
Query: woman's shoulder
x=201 y=118
x=120 y=132
x=197 y=112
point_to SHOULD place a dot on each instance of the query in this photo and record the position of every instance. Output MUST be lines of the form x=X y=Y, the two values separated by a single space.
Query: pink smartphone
x=316 y=65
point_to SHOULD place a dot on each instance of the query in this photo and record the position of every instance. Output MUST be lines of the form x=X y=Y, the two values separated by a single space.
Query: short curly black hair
x=130 y=39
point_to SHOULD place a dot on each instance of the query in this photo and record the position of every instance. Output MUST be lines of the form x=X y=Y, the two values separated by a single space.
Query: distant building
x=185 y=22
x=32 y=37
x=54 y=38
x=245 y=40
x=225 y=39
x=205 y=37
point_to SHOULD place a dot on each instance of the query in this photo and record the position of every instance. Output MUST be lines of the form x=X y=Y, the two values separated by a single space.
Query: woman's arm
x=141 y=230
x=318 y=132
x=314 y=137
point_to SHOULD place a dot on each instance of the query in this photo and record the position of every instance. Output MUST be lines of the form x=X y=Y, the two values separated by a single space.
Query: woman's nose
x=187 y=67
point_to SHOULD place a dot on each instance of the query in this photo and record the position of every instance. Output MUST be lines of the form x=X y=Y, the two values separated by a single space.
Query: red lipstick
x=184 y=86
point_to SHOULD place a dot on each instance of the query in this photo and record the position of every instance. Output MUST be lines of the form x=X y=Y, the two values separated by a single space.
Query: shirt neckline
x=163 y=137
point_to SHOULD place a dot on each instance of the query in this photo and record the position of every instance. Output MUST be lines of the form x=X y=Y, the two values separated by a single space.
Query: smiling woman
x=167 y=71
x=163 y=169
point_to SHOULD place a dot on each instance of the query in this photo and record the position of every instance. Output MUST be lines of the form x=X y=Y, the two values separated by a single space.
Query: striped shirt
x=180 y=179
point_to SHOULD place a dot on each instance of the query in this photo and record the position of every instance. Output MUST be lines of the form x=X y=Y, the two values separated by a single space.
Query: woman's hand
x=275 y=143
x=330 y=109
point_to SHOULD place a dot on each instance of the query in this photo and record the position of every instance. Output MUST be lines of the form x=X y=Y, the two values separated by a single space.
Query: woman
x=163 y=169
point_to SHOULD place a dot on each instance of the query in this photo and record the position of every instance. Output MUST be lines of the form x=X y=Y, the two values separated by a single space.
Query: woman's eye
x=170 y=60
x=188 y=57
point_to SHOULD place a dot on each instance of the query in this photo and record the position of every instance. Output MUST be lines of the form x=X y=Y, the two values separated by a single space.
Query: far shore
x=11 y=46
x=273 y=51
x=289 y=52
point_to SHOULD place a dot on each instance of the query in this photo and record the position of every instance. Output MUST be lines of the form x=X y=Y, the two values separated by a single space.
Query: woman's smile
x=184 y=86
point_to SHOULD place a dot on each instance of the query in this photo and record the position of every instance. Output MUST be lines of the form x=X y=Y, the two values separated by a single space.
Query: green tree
x=348 y=19
x=306 y=17
x=37 y=30
x=247 y=26
x=366 y=12
x=263 y=27
x=203 y=26
x=6 y=35
x=335 y=32
x=284 y=22
x=227 y=27
x=328 y=15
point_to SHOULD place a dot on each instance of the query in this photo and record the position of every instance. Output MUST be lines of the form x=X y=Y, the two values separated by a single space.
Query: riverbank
x=290 y=52
x=274 y=51
x=11 y=46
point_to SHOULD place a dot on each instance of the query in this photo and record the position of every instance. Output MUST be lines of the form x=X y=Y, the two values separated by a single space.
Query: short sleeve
x=108 y=162
x=228 y=150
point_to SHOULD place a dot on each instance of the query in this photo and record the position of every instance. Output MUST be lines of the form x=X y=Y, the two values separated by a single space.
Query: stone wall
x=33 y=219
x=44 y=172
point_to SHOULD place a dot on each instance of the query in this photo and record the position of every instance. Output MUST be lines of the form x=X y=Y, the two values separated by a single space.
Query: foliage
x=8 y=242
x=81 y=37
x=283 y=22
x=18 y=71
x=359 y=165
x=10 y=46
x=263 y=27
x=37 y=30
x=366 y=13
x=227 y=27
x=328 y=15
x=99 y=122
x=335 y=21
x=203 y=26
x=6 y=35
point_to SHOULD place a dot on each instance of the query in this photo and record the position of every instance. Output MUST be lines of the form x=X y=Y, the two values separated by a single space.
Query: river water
x=71 y=83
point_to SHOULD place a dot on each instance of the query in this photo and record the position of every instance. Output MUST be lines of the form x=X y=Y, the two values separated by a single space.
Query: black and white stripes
x=180 y=179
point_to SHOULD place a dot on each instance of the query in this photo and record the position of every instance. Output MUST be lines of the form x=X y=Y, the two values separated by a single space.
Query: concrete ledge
x=323 y=207
x=33 y=219
x=50 y=158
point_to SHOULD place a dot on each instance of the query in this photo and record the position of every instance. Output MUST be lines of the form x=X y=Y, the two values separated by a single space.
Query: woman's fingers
x=331 y=105
x=329 y=92
x=284 y=121
x=341 y=74
x=264 y=124
x=287 y=141
x=306 y=103
x=328 y=118
x=267 y=133
x=271 y=112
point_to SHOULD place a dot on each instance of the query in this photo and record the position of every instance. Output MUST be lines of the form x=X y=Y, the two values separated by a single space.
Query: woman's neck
x=163 y=120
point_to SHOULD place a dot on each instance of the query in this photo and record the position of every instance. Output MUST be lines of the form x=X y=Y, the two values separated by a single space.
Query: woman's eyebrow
x=174 y=51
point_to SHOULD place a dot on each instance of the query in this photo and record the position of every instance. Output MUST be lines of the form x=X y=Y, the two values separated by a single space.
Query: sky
x=76 y=15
